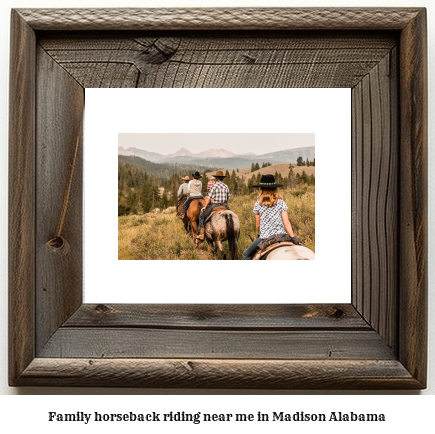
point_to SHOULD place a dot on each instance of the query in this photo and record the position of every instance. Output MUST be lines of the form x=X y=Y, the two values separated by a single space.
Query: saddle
x=219 y=208
x=273 y=242
x=193 y=200
x=262 y=254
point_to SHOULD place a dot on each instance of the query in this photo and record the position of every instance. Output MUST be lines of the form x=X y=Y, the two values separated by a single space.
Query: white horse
x=224 y=225
x=286 y=252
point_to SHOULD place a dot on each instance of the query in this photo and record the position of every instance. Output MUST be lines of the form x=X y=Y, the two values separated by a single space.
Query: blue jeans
x=250 y=252
x=208 y=211
x=188 y=200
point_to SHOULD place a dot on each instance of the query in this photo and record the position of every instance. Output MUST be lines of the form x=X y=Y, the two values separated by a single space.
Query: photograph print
x=213 y=196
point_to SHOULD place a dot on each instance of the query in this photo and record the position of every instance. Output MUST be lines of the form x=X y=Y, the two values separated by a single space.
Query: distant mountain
x=291 y=155
x=150 y=156
x=122 y=151
x=180 y=153
x=215 y=153
x=161 y=170
x=222 y=158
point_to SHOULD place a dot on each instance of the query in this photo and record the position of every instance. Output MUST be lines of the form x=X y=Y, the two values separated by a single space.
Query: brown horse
x=191 y=217
x=179 y=209
x=224 y=225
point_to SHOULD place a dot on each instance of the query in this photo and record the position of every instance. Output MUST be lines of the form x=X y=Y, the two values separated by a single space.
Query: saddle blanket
x=219 y=208
x=262 y=254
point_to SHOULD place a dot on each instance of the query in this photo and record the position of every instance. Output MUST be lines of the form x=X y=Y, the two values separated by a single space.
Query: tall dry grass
x=162 y=236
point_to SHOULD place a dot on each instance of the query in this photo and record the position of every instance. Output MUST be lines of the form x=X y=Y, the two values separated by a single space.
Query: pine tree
x=291 y=178
x=304 y=177
x=164 y=201
x=312 y=180
x=204 y=181
x=146 y=205
x=257 y=166
x=252 y=167
x=300 y=161
x=298 y=179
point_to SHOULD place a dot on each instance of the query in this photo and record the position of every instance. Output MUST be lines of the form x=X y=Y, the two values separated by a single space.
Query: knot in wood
x=58 y=244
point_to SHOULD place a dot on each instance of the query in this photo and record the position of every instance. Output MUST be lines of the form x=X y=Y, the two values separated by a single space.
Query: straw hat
x=186 y=178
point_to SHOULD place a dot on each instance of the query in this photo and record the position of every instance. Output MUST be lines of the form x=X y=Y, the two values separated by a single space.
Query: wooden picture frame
x=377 y=341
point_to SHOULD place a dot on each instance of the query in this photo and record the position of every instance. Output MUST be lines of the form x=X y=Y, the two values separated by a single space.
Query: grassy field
x=162 y=235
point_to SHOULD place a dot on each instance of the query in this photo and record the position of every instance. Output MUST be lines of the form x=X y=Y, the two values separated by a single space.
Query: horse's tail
x=232 y=242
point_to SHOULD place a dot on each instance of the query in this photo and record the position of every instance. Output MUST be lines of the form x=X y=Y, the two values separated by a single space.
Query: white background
x=326 y=112
x=408 y=413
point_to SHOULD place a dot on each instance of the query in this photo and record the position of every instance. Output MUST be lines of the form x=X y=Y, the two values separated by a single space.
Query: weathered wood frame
x=377 y=341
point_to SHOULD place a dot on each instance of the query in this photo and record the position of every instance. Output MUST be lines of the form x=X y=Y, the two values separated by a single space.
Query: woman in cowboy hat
x=194 y=191
x=270 y=214
x=218 y=195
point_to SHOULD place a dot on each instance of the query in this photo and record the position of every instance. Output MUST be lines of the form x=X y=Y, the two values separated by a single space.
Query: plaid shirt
x=219 y=192
x=210 y=183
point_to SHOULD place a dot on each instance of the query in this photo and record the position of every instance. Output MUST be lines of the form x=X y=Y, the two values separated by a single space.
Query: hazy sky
x=237 y=143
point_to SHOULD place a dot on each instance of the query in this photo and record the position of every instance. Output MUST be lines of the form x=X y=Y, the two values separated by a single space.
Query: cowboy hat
x=196 y=175
x=268 y=181
x=219 y=174
x=186 y=178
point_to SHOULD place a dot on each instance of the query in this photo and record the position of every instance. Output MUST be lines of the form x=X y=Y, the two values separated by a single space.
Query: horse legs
x=221 y=249
x=186 y=225
x=213 y=247
x=194 y=228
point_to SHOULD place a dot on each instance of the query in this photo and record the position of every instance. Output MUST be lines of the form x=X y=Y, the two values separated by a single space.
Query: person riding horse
x=194 y=191
x=217 y=196
x=182 y=191
x=271 y=216
x=211 y=183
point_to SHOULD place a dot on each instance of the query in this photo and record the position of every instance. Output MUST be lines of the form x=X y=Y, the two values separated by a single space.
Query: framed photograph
x=146 y=238
x=377 y=340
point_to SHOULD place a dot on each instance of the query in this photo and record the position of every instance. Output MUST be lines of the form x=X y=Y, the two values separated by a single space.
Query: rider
x=271 y=216
x=218 y=195
x=211 y=182
x=194 y=191
x=182 y=191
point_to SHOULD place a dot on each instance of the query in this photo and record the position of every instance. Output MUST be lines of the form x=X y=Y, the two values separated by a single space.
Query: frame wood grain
x=377 y=341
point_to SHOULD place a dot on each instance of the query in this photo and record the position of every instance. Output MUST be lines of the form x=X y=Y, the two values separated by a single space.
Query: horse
x=223 y=225
x=287 y=252
x=291 y=253
x=191 y=218
x=185 y=220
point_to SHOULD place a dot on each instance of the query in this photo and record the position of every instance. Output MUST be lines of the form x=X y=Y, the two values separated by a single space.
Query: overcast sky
x=238 y=143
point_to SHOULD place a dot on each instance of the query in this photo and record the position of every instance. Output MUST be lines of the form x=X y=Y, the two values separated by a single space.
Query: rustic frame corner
x=376 y=342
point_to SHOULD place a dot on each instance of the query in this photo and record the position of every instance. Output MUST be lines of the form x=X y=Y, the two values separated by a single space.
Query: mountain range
x=221 y=157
